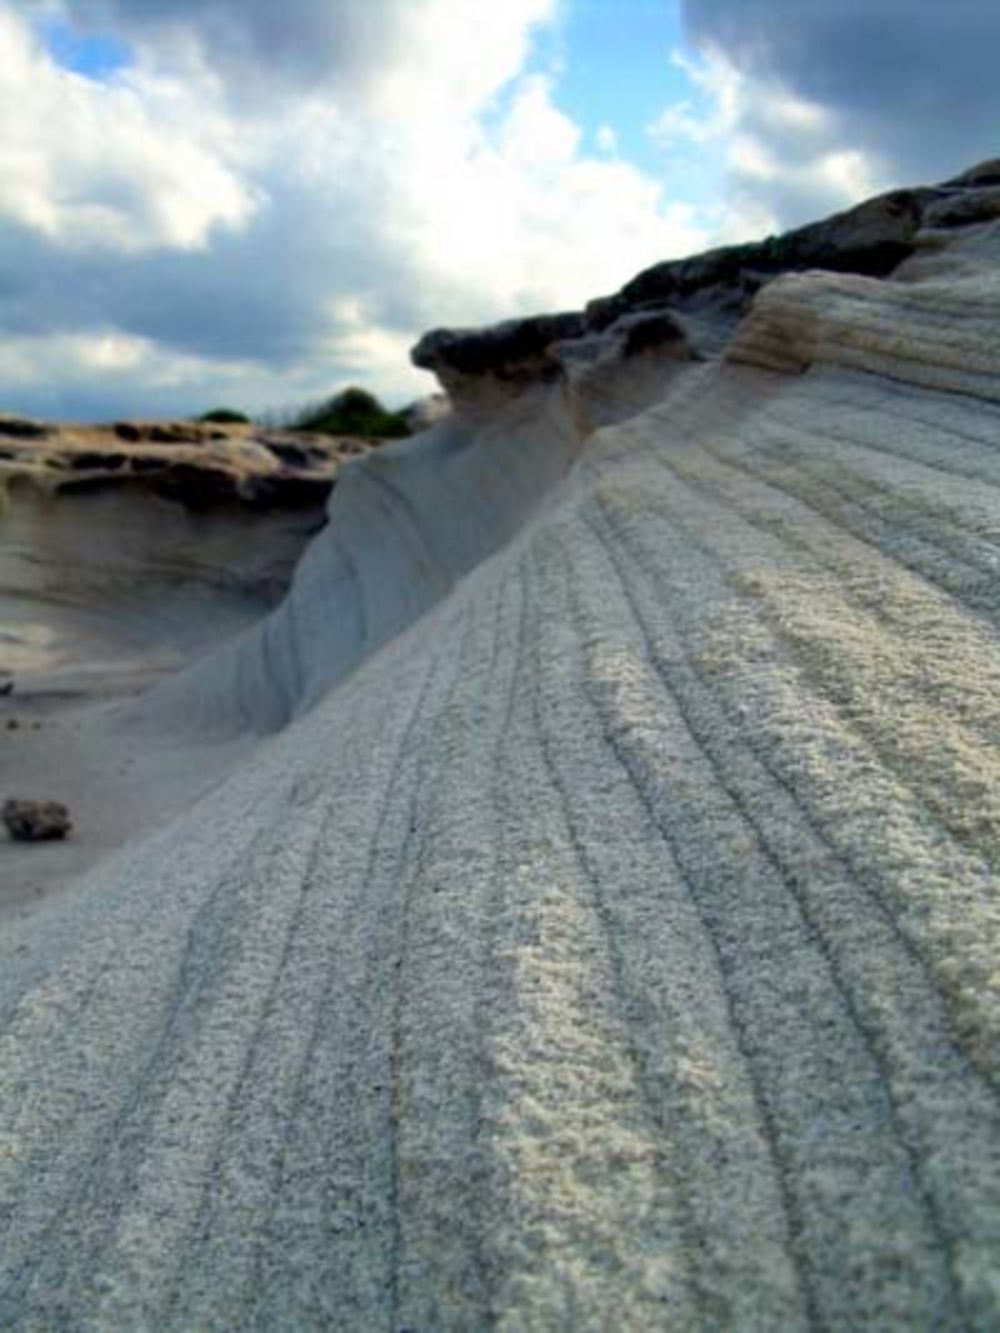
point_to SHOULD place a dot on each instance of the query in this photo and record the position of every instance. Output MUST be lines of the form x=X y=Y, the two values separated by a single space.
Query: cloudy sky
x=255 y=203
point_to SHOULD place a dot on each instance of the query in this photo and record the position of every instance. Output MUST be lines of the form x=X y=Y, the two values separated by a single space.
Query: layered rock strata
x=200 y=464
x=127 y=549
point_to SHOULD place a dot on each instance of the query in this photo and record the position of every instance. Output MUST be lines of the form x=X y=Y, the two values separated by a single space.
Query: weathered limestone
x=608 y=937
x=200 y=464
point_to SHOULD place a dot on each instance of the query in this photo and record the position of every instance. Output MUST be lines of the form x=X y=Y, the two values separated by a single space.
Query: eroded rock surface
x=615 y=946
x=126 y=549
x=199 y=464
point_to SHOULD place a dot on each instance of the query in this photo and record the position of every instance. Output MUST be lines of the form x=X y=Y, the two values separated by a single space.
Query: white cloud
x=131 y=165
x=305 y=240
x=536 y=135
x=680 y=123
x=912 y=81
x=812 y=106
x=780 y=155
x=607 y=139
x=378 y=52
x=106 y=373
x=522 y=219
x=69 y=359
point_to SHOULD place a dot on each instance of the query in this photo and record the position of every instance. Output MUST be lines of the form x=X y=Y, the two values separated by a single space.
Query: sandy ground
x=73 y=744
x=101 y=596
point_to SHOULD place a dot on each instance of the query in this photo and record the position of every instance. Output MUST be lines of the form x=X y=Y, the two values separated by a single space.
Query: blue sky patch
x=96 y=55
x=611 y=66
x=616 y=69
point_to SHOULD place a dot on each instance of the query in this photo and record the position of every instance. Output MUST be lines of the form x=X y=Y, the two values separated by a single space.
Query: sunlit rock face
x=606 y=935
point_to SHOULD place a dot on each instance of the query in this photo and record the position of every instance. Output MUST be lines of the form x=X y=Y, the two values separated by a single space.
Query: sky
x=253 y=204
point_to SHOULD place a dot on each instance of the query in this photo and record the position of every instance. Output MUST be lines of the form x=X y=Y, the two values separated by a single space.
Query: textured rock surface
x=618 y=946
x=116 y=584
x=127 y=549
x=201 y=464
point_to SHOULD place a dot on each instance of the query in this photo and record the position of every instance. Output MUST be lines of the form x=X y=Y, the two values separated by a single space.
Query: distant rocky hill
x=200 y=464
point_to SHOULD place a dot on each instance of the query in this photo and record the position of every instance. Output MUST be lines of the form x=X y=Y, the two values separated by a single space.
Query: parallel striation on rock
x=616 y=946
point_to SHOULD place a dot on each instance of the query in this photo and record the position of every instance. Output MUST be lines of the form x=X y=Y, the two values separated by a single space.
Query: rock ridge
x=870 y=239
x=199 y=464
x=607 y=933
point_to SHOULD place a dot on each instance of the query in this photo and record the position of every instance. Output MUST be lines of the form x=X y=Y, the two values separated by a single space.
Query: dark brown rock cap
x=712 y=290
x=199 y=465
x=516 y=349
x=35 y=821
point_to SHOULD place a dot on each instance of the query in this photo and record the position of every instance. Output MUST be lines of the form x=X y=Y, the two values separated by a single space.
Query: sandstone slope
x=616 y=946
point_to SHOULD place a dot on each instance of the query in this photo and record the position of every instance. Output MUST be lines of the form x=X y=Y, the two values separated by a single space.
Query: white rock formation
x=124 y=549
x=616 y=946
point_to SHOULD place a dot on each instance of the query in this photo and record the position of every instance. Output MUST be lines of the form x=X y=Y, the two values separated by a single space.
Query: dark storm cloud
x=268 y=42
x=913 y=81
x=257 y=296
x=244 y=304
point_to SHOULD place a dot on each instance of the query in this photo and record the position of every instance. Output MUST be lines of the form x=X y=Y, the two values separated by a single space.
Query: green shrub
x=353 y=411
x=225 y=416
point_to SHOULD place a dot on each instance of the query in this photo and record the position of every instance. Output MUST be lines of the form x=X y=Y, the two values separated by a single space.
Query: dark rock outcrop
x=36 y=821
x=199 y=465
x=707 y=294
x=517 y=349
x=872 y=239
x=22 y=428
